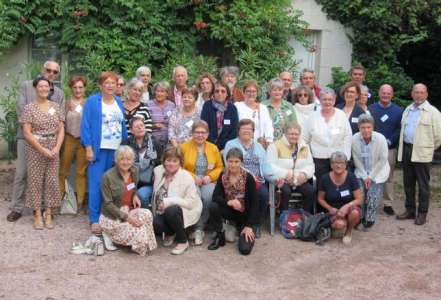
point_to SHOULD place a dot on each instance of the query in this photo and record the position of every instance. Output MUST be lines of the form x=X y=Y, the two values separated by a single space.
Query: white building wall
x=334 y=48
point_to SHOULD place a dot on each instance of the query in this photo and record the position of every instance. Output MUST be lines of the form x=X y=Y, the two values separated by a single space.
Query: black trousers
x=305 y=189
x=415 y=172
x=322 y=167
x=171 y=222
x=217 y=212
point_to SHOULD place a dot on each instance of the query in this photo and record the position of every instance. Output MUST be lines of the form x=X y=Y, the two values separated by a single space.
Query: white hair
x=143 y=70
x=178 y=67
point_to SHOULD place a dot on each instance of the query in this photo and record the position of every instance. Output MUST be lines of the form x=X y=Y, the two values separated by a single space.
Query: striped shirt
x=140 y=111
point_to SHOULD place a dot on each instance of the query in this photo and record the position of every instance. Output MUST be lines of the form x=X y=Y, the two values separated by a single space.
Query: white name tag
x=384 y=118
x=227 y=122
x=288 y=112
x=51 y=111
x=169 y=113
x=130 y=186
x=354 y=120
x=189 y=124
x=79 y=109
x=335 y=131
x=364 y=154
x=344 y=193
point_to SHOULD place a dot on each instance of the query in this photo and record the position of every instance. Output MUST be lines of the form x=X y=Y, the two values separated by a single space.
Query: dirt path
x=395 y=260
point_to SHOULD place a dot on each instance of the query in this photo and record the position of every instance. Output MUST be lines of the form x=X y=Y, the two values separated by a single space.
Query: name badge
x=227 y=122
x=210 y=167
x=169 y=113
x=51 y=111
x=344 y=193
x=384 y=118
x=354 y=120
x=335 y=131
x=364 y=154
x=130 y=186
x=189 y=124
x=79 y=109
x=288 y=112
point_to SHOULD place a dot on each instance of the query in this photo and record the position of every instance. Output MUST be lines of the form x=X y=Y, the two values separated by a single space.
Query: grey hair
x=327 y=90
x=364 y=88
x=365 y=118
x=47 y=62
x=134 y=83
x=143 y=70
x=236 y=153
x=163 y=85
x=286 y=72
x=275 y=83
x=119 y=76
x=124 y=150
x=178 y=67
x=338 y=155
x=307 y=70
x=229 y=70
x=292 y=125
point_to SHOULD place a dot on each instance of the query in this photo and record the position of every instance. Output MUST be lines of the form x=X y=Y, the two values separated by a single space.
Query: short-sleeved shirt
x=337 y=196
x=74 y=111
x=43 y=123
x=179 y=127
x=139 y=111
x=111 y=128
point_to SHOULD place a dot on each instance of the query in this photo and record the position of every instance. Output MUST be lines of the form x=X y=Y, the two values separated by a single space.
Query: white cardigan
x=182 y=192
x=303 y=112
x=281 y=166
x=324 y=138
x=262 y=121
x=380 y=164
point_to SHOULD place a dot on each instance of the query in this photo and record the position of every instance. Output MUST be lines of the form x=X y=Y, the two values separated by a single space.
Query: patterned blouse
x=179 y=127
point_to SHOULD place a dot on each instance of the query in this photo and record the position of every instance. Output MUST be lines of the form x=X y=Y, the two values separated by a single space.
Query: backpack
x=316 y=228
x=291 y=223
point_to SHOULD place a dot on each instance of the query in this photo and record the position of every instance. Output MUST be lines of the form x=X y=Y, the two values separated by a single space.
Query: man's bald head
x=386 y=93
x=419 y=93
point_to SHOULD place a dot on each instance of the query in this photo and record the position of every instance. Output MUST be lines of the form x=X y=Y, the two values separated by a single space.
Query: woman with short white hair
x=122 y=220
x=144 y=74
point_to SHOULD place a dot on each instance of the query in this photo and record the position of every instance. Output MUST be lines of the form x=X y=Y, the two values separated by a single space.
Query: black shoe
x=219 y=241
x=13 y=216
x=421 y=219
x=368 y=224
x=389 y=210
x=406 y=215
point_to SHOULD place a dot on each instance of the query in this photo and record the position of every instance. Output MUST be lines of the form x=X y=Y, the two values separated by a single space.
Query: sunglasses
x=55 y=72
x=302 y=95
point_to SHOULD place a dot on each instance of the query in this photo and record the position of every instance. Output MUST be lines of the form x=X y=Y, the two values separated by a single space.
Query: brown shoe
x=48 y=220
x=13 y=216
x=38 y=221
x=421 y=219
x=95 y=228
x=406 y=215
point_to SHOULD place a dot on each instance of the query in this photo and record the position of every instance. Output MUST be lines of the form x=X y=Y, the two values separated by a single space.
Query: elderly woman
x=183 y=118
x=204 y=162
x=144 y=74
x=102 y=130
x=205 y=85
x=176 y=203
x=122 y=220
x=350 y=93
x=370 y=152
x=234 y=199
x=72 y=148
x=304 y=104
x=364 y=98
x=255 y=161
x=291 y=161
x=221 y=116
x=43 y=130
x=327 y=131
x=340 y=194
x=229 y=76
x=257 y=112
x=133 y=105
x=281 y=111
x=161 y=109
x=146 y=158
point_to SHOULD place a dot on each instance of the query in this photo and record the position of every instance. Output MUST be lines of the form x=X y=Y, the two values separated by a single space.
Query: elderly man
x=180 y=77
x=307 y=77
x=50 y=70
x=387 y=116
x=286 y=77
x=420 y=136
x=229 y=76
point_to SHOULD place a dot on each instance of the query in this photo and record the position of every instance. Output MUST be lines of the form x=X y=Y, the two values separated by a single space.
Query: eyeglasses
x=302 y=95
x=251 y=92
x=220 y=91
x=120 y=84
x=199 y=132
x=55 y=72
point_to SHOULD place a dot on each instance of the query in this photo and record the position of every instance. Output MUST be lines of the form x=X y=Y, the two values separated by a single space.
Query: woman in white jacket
x=369 y=152
x=257 y=112
x=176 y=203
x=291 y=162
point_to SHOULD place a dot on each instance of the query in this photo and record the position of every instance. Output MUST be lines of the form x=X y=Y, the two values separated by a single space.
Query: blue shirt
x=411 y=123
x=366 y=155
x=387 y=121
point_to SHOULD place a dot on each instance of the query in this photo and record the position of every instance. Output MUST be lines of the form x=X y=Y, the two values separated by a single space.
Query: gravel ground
x=394 y=260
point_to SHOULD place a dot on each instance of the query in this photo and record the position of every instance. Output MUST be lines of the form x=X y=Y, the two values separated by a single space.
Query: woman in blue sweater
x=221 y=116
x=102 y=131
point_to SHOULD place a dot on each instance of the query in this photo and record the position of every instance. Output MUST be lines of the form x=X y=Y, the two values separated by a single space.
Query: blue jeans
x=145 y=193
x=263 y=196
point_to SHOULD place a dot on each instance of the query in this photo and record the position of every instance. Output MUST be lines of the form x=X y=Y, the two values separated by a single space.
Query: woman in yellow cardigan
x=203 y=160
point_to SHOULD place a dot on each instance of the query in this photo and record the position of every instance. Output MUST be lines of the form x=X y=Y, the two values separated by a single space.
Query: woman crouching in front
x=340 y=194
x=122 y=220
x=235 y=198
x=176 y=203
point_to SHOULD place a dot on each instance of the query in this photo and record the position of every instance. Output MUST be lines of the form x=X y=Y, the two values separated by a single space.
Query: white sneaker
x=347 y=239
x=230 y=232
x=108 y=244
x=180 y=248
x=198 y=237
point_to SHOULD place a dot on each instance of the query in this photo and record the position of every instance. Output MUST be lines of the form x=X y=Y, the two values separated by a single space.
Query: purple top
x=160 y=114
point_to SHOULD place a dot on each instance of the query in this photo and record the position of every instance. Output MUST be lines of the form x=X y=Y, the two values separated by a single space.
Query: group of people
x=171 y=161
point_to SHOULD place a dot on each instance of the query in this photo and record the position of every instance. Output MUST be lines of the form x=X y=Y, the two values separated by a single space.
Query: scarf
x=220 y=110
x=236 y=190
x=147 y=145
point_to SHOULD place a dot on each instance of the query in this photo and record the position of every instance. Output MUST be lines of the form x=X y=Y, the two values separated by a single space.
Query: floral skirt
x=141 y=239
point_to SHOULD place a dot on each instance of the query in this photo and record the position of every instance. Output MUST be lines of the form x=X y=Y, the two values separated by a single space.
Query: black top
x=337 y=196
x=251 y=202
x=353 y=118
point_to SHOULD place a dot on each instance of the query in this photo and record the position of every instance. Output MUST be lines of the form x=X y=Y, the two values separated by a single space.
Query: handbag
x=69 y=204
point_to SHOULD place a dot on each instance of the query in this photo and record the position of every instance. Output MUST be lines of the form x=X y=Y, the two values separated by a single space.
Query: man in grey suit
x=50 y=70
